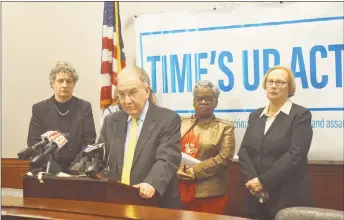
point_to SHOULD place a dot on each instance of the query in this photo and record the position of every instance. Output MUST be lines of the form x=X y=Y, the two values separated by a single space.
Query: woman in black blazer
x=63 y=112
x=273 y=153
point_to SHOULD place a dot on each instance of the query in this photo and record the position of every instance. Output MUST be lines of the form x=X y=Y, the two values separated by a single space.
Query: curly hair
x=207 y=84
x=63 y=67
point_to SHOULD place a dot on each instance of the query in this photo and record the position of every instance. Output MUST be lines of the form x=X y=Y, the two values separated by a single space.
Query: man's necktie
x=129 y=152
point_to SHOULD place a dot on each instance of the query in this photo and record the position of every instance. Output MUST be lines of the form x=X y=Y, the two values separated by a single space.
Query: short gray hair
x=63 y=67
x=207 y=84
x=143 y=77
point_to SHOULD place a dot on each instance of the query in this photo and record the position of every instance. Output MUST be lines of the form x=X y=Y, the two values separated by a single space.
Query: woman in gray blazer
x=273 y=153
x=65 y=113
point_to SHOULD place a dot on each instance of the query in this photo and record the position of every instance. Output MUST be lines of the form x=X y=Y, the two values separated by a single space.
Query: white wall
x=37 y=34
x=0 y=77
x=34 y=36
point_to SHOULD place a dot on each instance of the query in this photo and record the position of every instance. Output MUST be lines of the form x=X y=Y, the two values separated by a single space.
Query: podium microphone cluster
x=93 y=156
x=58 y=141
x=47 y=138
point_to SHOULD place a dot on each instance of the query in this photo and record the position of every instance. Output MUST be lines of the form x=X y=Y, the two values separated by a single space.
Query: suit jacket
x=81 y=130
x=278 y=158
x=216 y=150
x=157 y=154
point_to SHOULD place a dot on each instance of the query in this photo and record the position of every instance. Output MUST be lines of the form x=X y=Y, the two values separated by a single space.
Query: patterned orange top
x=190 y=143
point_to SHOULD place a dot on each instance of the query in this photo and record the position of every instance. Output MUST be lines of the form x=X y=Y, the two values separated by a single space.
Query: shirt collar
x=143 y=113
x=285 y=109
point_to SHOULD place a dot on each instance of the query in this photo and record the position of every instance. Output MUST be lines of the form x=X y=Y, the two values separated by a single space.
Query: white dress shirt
x=269 y=119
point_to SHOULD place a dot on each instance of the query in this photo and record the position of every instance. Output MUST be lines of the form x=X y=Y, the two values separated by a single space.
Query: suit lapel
x=261 y=126
x=278 y=120
x=119 y=142
x=146 y=130
x=74 y=110
x=187 y=126
x=52 y=123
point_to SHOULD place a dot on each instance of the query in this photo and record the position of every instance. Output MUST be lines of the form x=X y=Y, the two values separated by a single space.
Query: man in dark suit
x=143 y=140
x=63 y=112
x=273 y=153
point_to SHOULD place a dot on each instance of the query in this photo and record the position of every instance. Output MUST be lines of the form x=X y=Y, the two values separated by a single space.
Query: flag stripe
x=105 y=80
x=107 y=44
x=106 y=55
x=106 y=93
x=106 y=67
x=108 y=32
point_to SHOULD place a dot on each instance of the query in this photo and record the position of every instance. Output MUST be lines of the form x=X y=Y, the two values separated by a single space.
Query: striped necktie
x=129 y=152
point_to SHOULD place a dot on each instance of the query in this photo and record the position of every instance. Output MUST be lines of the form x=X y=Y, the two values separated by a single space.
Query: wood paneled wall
x=328 y=184
x=11 y=172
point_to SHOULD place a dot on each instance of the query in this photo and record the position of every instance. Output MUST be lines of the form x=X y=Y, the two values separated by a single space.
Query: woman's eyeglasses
x=278 y=83
x=207 y=99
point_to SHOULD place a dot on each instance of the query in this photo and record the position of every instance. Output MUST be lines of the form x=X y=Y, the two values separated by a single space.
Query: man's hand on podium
x=146 y=191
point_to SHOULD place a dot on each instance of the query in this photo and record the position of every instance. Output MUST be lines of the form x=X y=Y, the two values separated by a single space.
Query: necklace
x=61 y=113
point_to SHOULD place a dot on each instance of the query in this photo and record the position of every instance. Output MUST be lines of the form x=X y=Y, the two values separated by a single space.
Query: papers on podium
x=62 y=174
x=188 y=160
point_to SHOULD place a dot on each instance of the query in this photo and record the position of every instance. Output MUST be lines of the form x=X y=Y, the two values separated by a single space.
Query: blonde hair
x=143 y=77
x=290 y=75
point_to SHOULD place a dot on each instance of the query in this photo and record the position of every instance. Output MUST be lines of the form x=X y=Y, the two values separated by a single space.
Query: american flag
x=113 y=57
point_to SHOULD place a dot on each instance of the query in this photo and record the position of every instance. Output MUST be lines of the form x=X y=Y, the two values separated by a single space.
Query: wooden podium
x=84 y=189
x=20 y=208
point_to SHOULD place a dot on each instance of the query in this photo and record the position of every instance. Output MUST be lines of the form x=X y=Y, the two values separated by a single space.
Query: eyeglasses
x=207 y=99
x=132 y=93
x=278 y=83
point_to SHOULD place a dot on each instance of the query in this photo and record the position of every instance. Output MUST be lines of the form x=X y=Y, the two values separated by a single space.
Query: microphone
x=58 y=141
x=78 y=168
x=97 y=150
x=47 y=137
x=89 y=160
x=106 y=164
x=93 y=169
x=97 y=153
x=78 y=165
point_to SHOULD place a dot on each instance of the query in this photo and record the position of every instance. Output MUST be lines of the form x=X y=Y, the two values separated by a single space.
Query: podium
x=20 y=208
x=84 y=189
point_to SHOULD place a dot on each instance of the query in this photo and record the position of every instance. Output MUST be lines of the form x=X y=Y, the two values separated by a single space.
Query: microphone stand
x=93 y=170
x=79 y=167
x=47 y=163
x=52 y=166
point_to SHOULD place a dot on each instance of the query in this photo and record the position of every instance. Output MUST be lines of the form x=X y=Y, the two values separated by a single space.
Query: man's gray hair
x=143 y=77
x=63 y=67
x=207 y=84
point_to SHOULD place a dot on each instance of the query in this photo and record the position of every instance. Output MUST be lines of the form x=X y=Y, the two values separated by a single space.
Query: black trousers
x=261 y=213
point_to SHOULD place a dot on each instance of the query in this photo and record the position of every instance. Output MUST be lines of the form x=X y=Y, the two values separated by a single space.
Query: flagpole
x=119 y=60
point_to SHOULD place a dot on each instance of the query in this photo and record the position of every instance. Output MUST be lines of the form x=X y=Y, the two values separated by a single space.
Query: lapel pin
x=151 y=126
